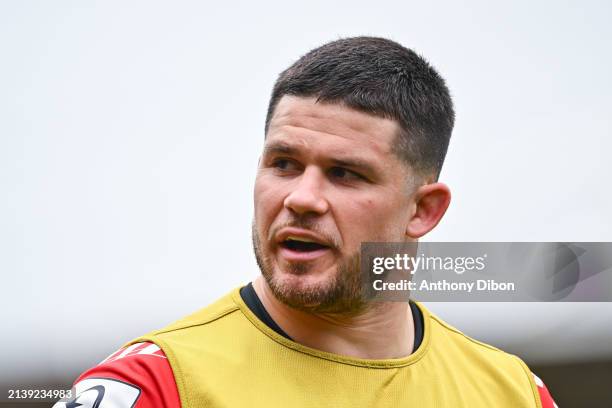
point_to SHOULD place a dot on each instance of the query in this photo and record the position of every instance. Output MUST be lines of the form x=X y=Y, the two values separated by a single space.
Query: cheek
x=360 y=217
x=268 y=200
x=372 y=219
x=370 y=208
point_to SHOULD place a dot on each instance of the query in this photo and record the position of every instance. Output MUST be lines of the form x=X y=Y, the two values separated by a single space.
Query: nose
x=306 y=196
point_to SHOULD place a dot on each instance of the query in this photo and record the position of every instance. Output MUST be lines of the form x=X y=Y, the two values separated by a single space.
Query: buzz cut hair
x=383 y=78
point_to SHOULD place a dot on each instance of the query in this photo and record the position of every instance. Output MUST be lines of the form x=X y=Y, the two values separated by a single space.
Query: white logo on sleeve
x=102 y=393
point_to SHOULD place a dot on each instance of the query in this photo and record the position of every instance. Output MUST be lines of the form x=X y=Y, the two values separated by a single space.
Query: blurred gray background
x=130 y=133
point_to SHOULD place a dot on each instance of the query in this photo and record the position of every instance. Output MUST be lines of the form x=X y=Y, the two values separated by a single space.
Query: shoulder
x=218 y=310
x=207 y=329
x=142 y=374
x=496 y=367
x=457 y=341
x=137 y=376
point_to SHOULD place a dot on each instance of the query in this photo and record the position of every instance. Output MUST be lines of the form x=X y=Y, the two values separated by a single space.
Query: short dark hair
x=384 y=78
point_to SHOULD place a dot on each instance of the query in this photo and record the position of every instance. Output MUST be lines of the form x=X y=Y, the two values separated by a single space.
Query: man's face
x=327 y=181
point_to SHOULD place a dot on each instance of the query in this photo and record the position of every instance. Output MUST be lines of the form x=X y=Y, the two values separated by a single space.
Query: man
x=355 y=137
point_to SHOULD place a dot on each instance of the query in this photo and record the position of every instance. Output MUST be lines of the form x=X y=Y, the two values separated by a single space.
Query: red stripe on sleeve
x=545 y=397
x=150 y=372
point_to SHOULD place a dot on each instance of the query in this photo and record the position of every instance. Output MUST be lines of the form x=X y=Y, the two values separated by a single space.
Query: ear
x=430 y=204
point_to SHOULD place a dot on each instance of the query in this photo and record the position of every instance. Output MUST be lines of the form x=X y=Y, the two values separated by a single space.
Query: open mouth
x=300 y=245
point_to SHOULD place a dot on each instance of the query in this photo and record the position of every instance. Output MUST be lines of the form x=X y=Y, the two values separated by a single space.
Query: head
x=356 y=134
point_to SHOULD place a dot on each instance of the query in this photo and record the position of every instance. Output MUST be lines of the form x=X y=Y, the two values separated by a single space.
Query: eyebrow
x=350 y=162
x=279 y=147
x=357 y=164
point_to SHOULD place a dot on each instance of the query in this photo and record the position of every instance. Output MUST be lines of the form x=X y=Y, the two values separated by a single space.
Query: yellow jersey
x=224 y=356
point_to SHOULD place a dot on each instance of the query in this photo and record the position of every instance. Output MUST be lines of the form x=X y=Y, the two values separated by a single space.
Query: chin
x=304 y=277
x=303 y=290
x=312 y=286
x=335 y=290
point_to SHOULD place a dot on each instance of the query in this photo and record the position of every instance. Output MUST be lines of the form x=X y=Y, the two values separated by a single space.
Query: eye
x=284 y=164
x=344 y=174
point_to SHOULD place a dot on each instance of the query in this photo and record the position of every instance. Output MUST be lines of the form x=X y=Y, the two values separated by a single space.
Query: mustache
x=306 y=224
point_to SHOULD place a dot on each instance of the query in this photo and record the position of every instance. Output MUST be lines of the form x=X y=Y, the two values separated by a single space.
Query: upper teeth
x=302 y=239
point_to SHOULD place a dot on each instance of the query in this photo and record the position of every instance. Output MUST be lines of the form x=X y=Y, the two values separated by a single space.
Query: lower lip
x=296 y=256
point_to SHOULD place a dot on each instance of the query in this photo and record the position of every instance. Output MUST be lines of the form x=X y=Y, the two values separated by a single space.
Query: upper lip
x=285 y=233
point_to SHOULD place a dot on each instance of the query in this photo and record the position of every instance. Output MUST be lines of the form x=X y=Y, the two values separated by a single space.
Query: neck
x=386 y=331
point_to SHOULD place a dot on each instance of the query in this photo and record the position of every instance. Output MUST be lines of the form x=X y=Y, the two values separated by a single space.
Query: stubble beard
x=341 y=294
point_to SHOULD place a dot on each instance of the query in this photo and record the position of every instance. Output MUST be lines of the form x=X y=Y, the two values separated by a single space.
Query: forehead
x=331 y=125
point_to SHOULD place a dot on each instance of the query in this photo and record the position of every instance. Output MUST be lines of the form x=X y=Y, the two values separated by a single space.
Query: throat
x=386 y=332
